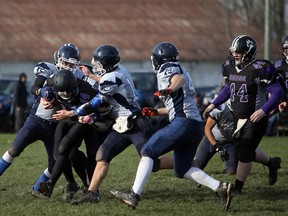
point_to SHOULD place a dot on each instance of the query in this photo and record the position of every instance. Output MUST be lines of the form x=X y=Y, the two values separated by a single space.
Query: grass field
x=163 y=195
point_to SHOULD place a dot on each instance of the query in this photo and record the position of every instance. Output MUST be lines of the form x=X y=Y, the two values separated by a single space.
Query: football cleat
x=131 y=199
x=273 y=170
x=224 y=194
x=88 y=197
x=38 y=194
x=46 y=188
x=236 y=192
x=71 y=189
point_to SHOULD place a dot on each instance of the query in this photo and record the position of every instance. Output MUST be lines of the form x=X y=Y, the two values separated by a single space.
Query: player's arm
x=87 y=71
x=276 y=94
x=210 y=123
x=221 y=98
x=37 y=85
x=89 y=107
x=177 y=81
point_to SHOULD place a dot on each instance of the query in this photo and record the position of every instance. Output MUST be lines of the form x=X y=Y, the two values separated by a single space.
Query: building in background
x=31 y=31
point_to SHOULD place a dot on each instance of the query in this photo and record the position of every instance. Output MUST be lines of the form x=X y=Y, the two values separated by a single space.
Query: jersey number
x=242 y=93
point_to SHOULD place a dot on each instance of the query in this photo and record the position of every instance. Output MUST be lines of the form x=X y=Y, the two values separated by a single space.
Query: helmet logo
x=249 y=44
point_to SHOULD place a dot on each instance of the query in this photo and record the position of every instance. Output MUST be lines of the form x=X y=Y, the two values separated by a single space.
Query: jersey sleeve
x=42 y=69
x=267 y=72
x=109 y=84
x=216 y=113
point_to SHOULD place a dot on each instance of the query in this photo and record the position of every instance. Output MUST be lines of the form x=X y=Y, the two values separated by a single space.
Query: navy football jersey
x=248 y=85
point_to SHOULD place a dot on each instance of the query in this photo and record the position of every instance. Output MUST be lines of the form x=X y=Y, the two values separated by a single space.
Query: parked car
x=7 y=87
x=146 y=83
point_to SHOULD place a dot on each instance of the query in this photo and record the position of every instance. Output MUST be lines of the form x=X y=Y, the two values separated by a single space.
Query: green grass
x=163 y=195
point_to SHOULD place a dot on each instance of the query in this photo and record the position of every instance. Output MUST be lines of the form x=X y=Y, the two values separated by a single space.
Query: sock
x=238 y=185
x=45 y=176
x=202 y=178
x=5 y=162
x=143 y=173
x=268 y=164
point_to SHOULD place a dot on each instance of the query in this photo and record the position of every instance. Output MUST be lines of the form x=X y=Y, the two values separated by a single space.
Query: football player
x=282 y=67
x=219 y=129
x=182 y=134
x=116 y=87
x=72 y=92
x=248 y=81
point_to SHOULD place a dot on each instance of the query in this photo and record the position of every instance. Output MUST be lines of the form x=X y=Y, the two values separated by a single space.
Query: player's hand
x=282 y=106
x=47 y=104
x=163 y=92
x=208 y=110
x=86 y=119
x=149 y=111
x=222 y=151
x=257 y=115
x=62 y=114
x=86 y=71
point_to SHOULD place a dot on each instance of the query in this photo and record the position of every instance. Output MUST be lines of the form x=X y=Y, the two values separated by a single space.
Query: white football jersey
x=181 y=103
x=119 y=90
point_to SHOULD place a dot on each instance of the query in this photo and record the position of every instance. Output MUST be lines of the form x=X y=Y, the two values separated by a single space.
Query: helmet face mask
x=162 y=53
x=98 y=69
x=284 y=47
x=65 y=95
x=69 y=64
x=243 y=49
x=67 y=57
x=106 y=59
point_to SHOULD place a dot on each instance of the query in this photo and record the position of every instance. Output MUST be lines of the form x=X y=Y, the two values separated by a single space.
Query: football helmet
x=284 y=46
x=162 y=53
x=243 y=49
x=106 y=58
x=67 y=57
x=64 y=83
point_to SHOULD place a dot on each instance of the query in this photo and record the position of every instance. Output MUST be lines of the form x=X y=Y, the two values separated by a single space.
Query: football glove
x=88 y=119
x=149 y=111
x=163 y=92
x=222 y=151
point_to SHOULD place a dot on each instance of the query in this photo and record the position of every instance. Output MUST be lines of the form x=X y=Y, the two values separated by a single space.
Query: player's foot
x=46 y=188
x=224 y=194
x=236 y=192
x=131 y=199
x=273 y=170
x=38 y=194
x=71 y=189
x=83 y=189
x=88 y=197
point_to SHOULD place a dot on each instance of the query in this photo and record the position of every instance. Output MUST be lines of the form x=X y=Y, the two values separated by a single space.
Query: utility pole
x=267 y=30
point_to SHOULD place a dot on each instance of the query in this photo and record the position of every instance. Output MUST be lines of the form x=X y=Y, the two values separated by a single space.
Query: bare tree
x=253 y=13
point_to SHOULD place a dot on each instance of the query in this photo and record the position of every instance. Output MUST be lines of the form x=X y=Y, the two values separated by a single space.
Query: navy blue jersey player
x=182 y=135
x=70 y=92
x=282 y=70
x=249 y=82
